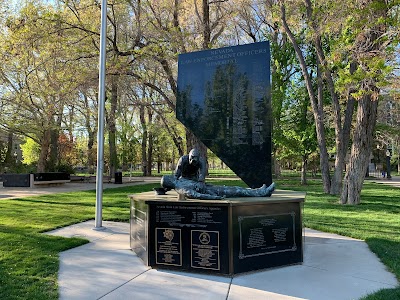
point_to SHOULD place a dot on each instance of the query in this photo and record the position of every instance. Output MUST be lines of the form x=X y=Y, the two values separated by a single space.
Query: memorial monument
x=224 y=98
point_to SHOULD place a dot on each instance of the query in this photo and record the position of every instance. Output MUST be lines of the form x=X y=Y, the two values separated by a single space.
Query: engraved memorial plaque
x=224 y=98
x=205 y=249
x=138 y=229
x=168 y=246
x=189 y=235
x=267 y=234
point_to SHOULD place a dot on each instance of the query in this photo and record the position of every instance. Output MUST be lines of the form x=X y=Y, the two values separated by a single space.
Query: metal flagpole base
x=102 y=228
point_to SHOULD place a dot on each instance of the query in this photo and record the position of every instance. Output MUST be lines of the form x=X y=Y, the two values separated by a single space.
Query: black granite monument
x=224 y=98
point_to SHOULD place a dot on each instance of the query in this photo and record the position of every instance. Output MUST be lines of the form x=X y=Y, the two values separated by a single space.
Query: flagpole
x=100 y=128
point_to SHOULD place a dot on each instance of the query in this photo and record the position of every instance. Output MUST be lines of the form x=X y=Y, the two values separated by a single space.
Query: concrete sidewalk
x=335 y=267
x=394 y=181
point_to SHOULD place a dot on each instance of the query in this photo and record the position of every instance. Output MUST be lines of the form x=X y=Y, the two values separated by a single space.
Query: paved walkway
x=335 y=267
x=394 y=181
x=18 y=192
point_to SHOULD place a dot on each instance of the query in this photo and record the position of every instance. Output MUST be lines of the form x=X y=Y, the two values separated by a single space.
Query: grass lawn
x=29 y=259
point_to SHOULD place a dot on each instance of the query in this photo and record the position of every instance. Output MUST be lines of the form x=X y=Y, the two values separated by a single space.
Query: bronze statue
x=199 y=190
x=191 y=167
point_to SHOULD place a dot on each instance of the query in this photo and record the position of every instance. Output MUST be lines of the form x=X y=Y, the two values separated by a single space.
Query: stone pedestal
x=227 y=237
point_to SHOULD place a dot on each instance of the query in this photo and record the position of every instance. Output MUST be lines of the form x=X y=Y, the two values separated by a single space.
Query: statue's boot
x=265 y=191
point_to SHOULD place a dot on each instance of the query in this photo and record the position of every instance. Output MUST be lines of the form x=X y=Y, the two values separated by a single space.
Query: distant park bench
x=49 y=179
x=35 y=179
x=46 y=179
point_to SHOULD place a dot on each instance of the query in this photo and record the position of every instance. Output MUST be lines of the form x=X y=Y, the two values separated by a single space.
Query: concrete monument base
x=217 y=236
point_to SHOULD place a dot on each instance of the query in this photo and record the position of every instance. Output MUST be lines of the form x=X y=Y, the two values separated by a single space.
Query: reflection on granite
x=224 y=98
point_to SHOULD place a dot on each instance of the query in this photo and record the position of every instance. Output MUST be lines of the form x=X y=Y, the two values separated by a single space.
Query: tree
x=369 y=50
x=315 y=98
x=182 y=26
x=320 y=30
x=333 y=38
x=37 y=81
x=30 y=151
x=298 y=138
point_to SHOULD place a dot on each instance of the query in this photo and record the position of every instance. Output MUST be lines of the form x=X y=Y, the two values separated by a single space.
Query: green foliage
x=30 y=151
x=284 y=63
x=65 y=168
x=298 y=136
x=372 y=58
x=3 y=151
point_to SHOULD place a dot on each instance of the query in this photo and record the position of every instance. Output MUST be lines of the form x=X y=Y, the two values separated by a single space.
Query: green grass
x=29 y=260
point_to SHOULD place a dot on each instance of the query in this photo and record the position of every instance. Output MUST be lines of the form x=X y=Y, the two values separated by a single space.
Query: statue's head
x=194 y=157
x=168 y=182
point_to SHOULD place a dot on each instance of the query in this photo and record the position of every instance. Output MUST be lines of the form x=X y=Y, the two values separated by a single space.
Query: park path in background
x=394 y=181
x=19 y=192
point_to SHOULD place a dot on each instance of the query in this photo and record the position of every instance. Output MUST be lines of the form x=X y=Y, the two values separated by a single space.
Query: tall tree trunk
x=172 y=133
x=91 y=135
x=90 y=151
x=54 y=137
x=44 y=150
x=150 y=154
x=304 y=170
x=277 y=167
x=343 y=139
x=144 y=139
x=70 y=128
x=112 y=132
x=159 y=164
x=206 y=25
x=368 y=47
x=53 y=153
x=150 y=144
x=9 y=159
x=398 y=163
x=360 y=152
x=342 y=144
x=316 y=105
x=319 y=117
